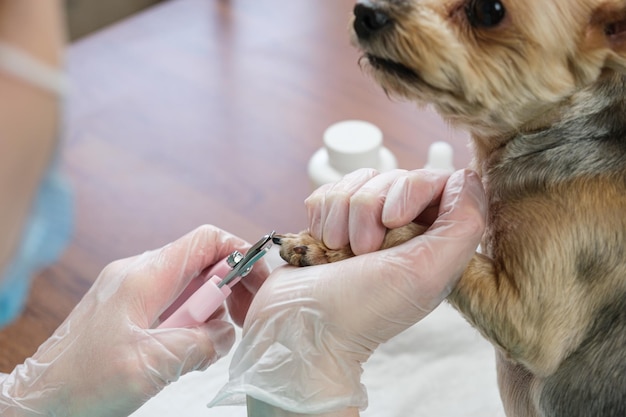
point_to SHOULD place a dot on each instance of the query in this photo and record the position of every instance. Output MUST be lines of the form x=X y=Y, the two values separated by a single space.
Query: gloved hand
x=309 y=330
x=107 y=359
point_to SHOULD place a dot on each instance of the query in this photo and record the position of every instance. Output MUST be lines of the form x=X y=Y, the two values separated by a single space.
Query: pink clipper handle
x=206 y=298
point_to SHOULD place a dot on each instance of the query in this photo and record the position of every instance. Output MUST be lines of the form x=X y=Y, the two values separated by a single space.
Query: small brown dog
x=540 y=84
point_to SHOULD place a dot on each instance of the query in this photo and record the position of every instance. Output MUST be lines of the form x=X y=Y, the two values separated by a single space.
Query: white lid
x=353 y=144
x=440 y=156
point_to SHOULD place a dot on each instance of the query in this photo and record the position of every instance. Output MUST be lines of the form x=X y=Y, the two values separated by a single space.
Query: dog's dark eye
x=485 y=13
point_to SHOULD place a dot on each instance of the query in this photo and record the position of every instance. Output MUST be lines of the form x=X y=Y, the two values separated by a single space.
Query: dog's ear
x=606 y=34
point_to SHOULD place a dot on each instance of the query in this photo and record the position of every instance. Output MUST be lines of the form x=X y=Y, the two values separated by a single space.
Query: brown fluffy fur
x=543 y=93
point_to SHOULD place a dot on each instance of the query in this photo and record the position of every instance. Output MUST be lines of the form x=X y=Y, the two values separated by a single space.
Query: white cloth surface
x=440 y=367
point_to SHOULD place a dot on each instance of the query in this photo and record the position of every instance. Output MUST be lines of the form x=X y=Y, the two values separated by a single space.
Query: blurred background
x=87 y=16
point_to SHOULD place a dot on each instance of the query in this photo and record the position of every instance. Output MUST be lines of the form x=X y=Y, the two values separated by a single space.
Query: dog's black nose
x=368 y=20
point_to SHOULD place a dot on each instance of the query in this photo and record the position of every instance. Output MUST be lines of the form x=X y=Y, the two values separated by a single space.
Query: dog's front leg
x=490 y=303
x=528 y=322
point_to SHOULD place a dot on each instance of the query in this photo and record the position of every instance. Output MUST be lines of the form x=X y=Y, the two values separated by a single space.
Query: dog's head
x=490 y=65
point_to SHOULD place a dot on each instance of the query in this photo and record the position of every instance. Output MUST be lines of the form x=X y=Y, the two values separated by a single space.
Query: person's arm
x=29 y=114
x=258 y=408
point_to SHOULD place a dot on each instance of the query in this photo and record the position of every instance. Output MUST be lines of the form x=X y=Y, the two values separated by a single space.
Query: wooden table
x=205 y=111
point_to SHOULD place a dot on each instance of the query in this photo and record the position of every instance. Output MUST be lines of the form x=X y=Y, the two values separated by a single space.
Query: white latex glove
x=309 y=330
x=107 y=359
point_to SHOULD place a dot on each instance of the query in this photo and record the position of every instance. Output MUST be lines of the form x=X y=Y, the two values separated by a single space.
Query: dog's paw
x=301 y=249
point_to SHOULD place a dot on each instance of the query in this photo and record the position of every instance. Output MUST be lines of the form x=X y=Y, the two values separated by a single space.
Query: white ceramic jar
x=348 y=146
